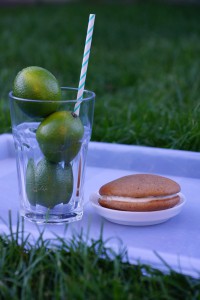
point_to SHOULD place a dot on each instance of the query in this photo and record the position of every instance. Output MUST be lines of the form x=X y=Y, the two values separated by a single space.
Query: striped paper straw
x=84 y=67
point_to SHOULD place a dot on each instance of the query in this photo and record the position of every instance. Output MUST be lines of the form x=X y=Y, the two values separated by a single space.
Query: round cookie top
x=139 y=186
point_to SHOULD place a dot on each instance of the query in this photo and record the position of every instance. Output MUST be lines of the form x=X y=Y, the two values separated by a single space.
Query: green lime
x=59 y=136
x=35 y=83
x=48 y=184
x=30 y=182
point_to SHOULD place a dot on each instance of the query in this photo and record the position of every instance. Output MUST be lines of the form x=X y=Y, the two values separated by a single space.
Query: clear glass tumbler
x=51 y=154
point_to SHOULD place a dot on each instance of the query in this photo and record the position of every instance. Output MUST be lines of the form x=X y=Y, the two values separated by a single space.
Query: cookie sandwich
x=140 y=192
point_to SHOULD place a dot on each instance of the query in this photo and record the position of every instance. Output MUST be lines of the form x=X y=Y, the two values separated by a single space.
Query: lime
x=59 y=136
x=30 y=182
x=35 y=83
x=48 y=184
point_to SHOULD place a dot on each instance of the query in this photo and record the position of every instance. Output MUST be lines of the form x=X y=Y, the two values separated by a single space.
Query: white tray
x=176 y=241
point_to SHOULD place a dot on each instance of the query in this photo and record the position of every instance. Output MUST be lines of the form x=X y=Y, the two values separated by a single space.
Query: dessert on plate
x=140 y=192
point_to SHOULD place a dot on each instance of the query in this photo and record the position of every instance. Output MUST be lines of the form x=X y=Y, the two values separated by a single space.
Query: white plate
x=136 y=218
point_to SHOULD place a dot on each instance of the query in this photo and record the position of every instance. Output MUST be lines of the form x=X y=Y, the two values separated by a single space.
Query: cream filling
x=134 y=200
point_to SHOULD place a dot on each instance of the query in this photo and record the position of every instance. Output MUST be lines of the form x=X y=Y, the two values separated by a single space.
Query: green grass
x=60 y=269
x=144 y=66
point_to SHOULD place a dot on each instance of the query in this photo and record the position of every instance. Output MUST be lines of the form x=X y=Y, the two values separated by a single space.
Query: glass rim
x=90 y=97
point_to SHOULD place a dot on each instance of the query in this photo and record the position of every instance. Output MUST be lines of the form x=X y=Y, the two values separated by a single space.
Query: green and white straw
x=85 y=61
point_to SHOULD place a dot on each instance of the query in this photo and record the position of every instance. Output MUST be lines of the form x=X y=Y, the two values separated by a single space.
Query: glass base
x=51 y=218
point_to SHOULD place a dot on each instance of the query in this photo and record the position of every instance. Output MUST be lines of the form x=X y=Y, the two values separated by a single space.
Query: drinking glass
x=51 y=178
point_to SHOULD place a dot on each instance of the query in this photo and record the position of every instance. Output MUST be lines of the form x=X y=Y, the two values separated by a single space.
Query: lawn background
x=144 y=65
